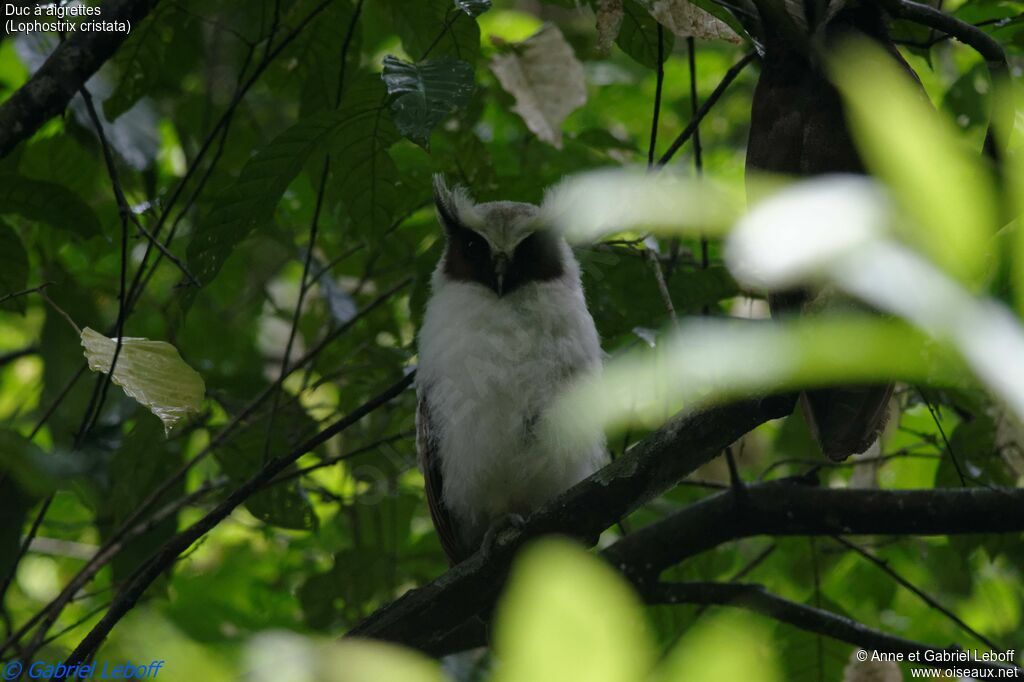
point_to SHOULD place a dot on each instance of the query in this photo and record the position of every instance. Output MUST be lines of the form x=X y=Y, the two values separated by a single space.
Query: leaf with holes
x=426 y=93
x=151 y=372
x=47 y=202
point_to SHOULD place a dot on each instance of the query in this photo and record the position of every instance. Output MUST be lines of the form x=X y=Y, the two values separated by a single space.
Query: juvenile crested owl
x=505 y=329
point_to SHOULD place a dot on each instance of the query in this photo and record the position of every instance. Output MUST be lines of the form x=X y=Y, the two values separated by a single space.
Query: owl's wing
x=430 y=464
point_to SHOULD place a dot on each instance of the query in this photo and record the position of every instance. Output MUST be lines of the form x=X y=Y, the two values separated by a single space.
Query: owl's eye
x=475 y=246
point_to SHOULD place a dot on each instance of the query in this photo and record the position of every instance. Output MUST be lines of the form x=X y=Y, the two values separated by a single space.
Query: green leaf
x=39 y=472
x=711 y=362
x=14 y=506
x=157 y=54
x=47 y=202
x=622 y=292
x=363 y=173
x=432 y=28
x=13 y=267
x=638 y=36
x=426 y=93
x=719 y=12
x=134 y=472
x=722 y=648
x=151 y=372
x=473 y=8
x=568 y=616
x=250 y=202
x=942 y=185
x=316 y=57
x=280 y=504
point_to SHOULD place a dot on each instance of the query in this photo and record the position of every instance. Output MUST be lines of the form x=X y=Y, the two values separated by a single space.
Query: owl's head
x=501 y=244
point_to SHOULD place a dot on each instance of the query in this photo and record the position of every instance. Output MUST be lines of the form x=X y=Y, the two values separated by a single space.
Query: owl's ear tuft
x=444 y=202
x=455 y=208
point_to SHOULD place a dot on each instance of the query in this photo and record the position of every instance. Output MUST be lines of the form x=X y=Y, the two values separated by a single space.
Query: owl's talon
x=503 y=532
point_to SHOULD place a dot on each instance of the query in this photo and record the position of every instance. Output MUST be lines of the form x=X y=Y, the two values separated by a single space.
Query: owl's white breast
x=488 y=368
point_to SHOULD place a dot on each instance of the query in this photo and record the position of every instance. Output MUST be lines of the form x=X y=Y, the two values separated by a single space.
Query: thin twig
x=168 y=554
x=659 y=84
x=808 y=618
x=942 y=432
x=921 y=594
x=16 y=294
x=706 y=107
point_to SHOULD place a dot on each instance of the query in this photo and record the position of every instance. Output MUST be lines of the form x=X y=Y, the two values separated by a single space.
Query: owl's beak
x=500 y=268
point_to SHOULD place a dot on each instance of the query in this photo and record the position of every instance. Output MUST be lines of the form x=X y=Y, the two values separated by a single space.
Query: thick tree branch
x=787 y=508
x=433 y=618
x=756 y=598
x=64 y=73
x=426 y=618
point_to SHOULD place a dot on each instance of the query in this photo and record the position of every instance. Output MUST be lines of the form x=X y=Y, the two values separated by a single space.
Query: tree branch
x=786 y=508
x=427 y=617
x=432 y=618
x=756 y=598
x=72 y=63
x=165 y=557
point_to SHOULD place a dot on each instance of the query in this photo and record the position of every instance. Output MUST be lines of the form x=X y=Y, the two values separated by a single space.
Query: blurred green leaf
x=13 y=267
x=943 y=185
x=712 y=362
x=566 y=615
x=47 y=202
x=14 y=507
x=724 y=648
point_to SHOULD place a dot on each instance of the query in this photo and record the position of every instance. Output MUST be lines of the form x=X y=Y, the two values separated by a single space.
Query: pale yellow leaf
x=151 y=372
x=547 y=80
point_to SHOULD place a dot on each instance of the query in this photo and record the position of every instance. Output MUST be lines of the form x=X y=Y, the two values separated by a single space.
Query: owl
x=506 y=328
